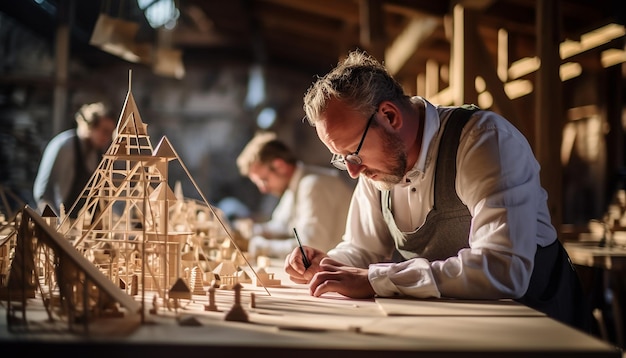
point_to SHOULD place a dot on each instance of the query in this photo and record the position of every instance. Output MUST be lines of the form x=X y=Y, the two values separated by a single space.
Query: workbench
x=609 y=260
x=286 y=321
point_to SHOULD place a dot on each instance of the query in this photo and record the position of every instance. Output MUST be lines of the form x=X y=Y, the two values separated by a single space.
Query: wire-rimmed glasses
x=340 y=161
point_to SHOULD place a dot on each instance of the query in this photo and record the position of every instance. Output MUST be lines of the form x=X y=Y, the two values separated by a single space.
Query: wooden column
x=462 y=65
x=616 y=173
x=62 y=54
x=373 y=28
x=432 y=79
x=483 y=65
x=549 y=111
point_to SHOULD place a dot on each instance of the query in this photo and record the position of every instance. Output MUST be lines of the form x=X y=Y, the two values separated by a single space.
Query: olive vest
x=554 y=286
x=447 y=226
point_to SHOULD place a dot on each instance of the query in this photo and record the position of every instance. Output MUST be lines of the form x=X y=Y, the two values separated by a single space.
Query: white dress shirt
x=497 y=179
x=316 y=204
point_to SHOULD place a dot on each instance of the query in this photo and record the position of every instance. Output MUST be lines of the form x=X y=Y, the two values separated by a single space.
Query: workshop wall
x=203 y=115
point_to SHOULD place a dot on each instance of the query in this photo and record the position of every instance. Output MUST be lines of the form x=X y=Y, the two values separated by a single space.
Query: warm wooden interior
x=554 y=68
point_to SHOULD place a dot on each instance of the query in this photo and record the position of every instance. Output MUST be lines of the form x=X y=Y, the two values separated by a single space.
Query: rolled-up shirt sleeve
x=408 y=278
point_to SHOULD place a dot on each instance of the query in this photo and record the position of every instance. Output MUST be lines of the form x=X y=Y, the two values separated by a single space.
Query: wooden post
x=462 y=66
x=373 y=28
x=549 y=111
x=62 y=46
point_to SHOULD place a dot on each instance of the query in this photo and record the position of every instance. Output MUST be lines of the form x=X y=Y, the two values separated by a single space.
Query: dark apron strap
x=81 y=177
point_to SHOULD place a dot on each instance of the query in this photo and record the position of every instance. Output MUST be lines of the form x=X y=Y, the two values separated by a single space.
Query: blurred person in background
x=312 y=199
x=71 y=157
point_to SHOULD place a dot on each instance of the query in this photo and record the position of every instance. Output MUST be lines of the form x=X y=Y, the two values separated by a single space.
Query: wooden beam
x=549 y=113
x=347 y=38
x=443 y=97
x=503 y=55
x=420 y=88
x=409 y=85
x=190 y=37
x=61 y=58
x=475 y=4
x=598 y=38
x=582 y=112
x=463 y=65
x=411 y=8
x=316 y=29
x=487 y=70
x=347 y=11
x=416 y=32
x=615 y=137
x=518 y=88
x=432 y=79
x=373 y=36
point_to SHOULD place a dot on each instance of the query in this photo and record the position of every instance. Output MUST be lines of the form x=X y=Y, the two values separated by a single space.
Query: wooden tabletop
x=593 y=254
x=287 y=321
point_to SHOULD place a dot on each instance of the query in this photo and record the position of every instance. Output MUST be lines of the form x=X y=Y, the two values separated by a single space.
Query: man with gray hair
x=448 y=203
x=71 y=157
x=313 y=200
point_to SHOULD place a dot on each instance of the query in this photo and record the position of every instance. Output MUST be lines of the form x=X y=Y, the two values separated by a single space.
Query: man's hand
x=333 y=276
x=294 y=265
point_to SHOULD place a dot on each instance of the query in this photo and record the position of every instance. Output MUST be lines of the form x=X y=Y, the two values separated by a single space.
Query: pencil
x=305 y=260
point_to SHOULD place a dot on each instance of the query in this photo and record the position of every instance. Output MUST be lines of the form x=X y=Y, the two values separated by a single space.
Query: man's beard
x=395 y=150
x=385 y=184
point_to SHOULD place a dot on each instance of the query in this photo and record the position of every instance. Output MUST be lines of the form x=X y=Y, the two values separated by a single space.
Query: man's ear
x=391 y=114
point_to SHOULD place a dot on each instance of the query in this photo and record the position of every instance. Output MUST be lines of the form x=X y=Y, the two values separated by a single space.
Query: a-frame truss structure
x=124 y=225
x=126 y=238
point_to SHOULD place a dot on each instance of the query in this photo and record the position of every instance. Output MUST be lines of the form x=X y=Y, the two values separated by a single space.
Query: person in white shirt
x=314 y=200
x=445 y=205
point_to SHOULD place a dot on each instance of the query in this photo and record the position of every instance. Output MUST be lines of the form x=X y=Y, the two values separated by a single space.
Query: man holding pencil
x=448 y=202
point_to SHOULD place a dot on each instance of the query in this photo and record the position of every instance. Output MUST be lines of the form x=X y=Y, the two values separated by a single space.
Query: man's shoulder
x=62 y=140
x=64 y=136
x=319 y=174
x=318 y=170
x=480 y=120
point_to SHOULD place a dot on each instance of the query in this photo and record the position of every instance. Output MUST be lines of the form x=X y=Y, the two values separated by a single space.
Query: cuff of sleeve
x=409 y=278
x=378 y=275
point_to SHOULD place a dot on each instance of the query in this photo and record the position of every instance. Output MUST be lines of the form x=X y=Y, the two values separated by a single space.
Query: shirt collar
x=431 y=127
x=297 y=174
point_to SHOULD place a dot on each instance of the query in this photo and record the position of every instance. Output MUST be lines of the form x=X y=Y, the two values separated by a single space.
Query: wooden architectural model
x=134 y=227
x=237 y=313
x=7 y=232
x=133 y=236
x=266 y=279
x=71 y=288
x=8 y=201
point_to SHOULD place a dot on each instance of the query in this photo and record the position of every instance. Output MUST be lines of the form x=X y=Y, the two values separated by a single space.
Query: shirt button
x=413 y=190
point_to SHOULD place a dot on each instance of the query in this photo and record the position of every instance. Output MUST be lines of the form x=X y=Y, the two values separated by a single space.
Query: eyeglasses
x=340 y=161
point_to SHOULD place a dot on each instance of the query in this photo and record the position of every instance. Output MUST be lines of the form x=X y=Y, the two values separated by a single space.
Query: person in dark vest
x=448 y=201
x=70 y=159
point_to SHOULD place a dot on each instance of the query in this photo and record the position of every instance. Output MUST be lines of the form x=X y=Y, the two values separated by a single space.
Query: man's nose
x=354 y=169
